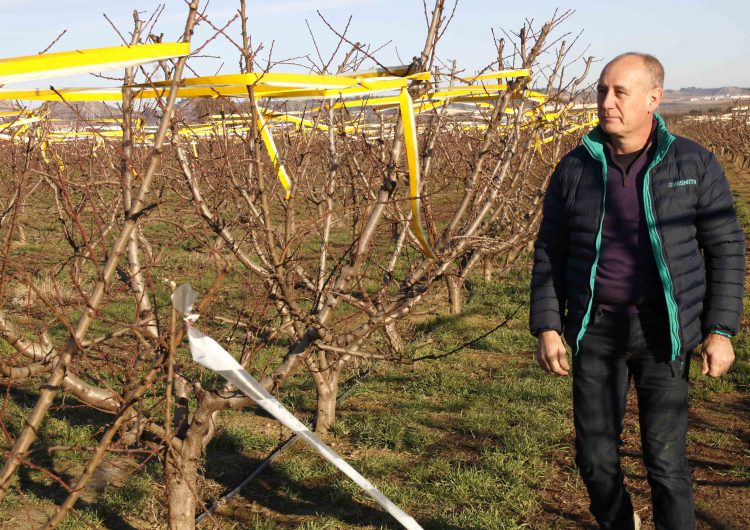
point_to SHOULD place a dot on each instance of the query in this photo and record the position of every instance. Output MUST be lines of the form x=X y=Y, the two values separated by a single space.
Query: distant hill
x=699 y=100
x=726 y=92
x=7 y=106
x=702 y=92
x=82 y=110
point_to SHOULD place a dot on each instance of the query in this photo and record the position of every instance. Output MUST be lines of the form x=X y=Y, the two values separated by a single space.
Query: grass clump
x=241 y=439
x=395 y=432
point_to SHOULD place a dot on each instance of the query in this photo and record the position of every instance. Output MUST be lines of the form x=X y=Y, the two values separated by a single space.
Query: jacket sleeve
x=723 y=243
x=550 y=255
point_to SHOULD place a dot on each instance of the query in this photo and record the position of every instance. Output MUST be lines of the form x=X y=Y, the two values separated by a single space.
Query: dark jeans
x=616 y=348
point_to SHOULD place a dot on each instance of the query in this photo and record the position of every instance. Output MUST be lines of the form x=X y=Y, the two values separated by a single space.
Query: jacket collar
x=596 y=139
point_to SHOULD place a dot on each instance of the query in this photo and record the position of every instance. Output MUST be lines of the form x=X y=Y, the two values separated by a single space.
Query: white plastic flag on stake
x=207 y=352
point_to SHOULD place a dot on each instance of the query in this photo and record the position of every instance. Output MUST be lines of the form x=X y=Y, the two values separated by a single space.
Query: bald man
x=639 y=259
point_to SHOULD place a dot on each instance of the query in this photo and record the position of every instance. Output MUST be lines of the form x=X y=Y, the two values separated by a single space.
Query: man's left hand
x=718 y=355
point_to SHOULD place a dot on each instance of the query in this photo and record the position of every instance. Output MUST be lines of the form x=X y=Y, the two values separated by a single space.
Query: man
x=639 y=259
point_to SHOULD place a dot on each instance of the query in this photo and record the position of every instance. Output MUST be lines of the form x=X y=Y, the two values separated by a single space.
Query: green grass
x=396 y=432
x=128 y=497
x=240 y=439
x=82 y=518
x=260 y=523
x=17 y=511
x=740 y=373
x=61 y=432
x=489 y=304
x=135 y=495
x=712 y=438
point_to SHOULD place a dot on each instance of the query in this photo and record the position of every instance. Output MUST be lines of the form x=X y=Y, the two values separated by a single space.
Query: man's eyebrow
x=616 y=87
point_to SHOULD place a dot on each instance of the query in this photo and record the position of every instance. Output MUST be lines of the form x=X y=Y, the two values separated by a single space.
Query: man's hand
x=550 y=353
x=718 y=355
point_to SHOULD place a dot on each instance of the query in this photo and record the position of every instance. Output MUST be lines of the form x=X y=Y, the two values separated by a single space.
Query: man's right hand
x=550 y=353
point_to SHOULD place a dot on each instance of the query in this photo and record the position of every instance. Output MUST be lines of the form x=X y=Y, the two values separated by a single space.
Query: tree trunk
x=182 y=485
x=454 y=293
x=181 y=471
x=327 y=394
x=393 y=338
x=20 y=231
x=487 y=270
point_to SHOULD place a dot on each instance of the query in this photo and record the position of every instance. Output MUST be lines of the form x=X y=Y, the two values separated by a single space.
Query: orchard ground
x=481 y=439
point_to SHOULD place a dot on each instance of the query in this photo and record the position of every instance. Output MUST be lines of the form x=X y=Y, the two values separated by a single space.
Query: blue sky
x=701 y=43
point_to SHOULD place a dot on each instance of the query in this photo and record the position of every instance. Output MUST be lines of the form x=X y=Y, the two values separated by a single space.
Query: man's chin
x=609 y=127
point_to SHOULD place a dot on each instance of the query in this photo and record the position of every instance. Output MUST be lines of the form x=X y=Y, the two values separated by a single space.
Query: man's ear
x=654 y=98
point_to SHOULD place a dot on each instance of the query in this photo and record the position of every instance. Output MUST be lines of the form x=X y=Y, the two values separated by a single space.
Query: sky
x=701 y=43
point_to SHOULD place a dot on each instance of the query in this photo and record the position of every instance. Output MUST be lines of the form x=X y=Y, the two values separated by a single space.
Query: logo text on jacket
x=685 y=182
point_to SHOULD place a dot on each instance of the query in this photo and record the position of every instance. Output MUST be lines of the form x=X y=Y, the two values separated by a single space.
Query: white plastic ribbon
x=207 y=352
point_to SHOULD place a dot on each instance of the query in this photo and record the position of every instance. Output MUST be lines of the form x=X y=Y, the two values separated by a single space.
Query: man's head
x=628 y=93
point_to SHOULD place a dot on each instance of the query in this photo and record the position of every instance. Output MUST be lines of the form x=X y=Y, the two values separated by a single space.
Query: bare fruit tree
x=339 y=259
x=726 y=133
x=99 y=245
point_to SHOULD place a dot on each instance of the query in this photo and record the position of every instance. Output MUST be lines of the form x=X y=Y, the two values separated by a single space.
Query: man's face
x=626 y=99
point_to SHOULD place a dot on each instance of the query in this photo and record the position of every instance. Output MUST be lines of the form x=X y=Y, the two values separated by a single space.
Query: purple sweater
x=626 y=276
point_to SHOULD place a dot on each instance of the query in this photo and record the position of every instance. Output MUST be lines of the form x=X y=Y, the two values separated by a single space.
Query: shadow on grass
x=56 y=494
x=277 y=491
x=64 y=425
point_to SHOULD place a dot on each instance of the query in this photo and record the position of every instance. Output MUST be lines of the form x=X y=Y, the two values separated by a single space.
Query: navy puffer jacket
x=697 y=242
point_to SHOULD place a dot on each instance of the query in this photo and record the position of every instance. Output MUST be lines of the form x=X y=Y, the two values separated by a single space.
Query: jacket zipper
x=661 y=262
x=592 y=276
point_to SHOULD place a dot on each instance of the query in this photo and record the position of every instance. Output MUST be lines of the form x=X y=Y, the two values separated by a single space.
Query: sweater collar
x=596 y=139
